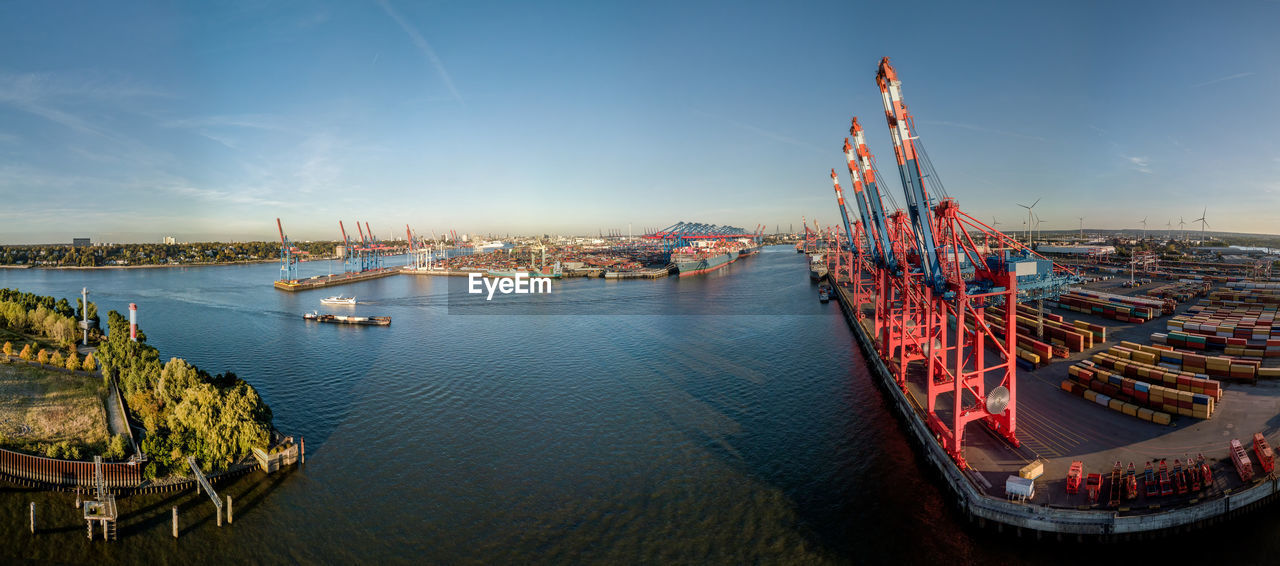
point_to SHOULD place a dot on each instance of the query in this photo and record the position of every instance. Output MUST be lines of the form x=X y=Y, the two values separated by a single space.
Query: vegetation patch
x=52 y=413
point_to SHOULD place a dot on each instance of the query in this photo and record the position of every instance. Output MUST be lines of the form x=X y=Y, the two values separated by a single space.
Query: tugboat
x=824 y=293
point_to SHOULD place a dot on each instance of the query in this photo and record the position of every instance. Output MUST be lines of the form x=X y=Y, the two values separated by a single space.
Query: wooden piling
x=175 y=521
x=33 y=517
x=229 y=516
x=218 y=513
x=302 y=448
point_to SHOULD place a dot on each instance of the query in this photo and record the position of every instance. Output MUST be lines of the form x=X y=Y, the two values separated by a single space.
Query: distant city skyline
x=130 y=122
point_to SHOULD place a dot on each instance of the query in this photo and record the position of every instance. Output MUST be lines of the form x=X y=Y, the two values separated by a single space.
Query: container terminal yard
x=685 y=248
x=1096 y=397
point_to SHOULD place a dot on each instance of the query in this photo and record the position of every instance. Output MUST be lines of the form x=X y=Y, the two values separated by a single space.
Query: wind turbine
x=1038 y=232
x=1143 y=222
x=1182 y=233
x=1203 y=223
x=1033 y=205
x=1081 y=229
x=1168 y=229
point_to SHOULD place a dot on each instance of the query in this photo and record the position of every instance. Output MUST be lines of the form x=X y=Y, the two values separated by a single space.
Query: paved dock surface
x=1061 y=427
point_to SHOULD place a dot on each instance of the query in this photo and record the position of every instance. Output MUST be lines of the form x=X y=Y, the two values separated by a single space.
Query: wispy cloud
x=1222 y=79
x=761 y=131
x=422 y=45
x=252 y=121
x=1140 y=164
x=238 y=197
x=981 y=129
x=320 y=170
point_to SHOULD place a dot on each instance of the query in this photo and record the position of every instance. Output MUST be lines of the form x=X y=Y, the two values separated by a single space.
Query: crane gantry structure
x=930 y=272
x=684 y=233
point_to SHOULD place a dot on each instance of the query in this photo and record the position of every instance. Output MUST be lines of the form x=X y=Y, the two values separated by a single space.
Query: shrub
x=56 y=359
x=89 y=364
x=43 y=356
x=73 y=362
x=8 y=348
x=26 y=353
x=116 y=447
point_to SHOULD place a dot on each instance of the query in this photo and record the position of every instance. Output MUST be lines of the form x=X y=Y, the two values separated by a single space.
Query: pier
x=978 y=489
x=321 y=281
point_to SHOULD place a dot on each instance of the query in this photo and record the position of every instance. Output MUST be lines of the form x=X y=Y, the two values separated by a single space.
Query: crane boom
x=872 y=194
x=844 y=212
x=895 y=113
x=281 y=227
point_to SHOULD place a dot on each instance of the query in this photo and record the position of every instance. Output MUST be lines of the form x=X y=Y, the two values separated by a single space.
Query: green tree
x=116 y=447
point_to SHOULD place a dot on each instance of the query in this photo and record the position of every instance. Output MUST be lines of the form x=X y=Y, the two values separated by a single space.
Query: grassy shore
x=42 y=408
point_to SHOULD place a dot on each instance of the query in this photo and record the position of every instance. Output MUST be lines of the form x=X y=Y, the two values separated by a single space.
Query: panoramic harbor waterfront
x=716 y=435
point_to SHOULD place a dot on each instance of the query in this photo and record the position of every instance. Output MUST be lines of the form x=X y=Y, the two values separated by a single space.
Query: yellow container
x=1130 y=409
x=1161 y=418
x=1033 y=470
x=1145 y=413
x=1116 y=404
x=1090 y=395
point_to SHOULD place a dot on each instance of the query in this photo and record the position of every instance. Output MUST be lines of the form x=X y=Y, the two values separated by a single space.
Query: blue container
x=1142 y=386
x=1200 y=399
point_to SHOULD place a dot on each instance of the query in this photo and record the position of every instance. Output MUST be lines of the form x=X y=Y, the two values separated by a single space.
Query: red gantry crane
x=932 y=284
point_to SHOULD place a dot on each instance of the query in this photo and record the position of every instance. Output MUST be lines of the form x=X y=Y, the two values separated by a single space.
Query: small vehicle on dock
x=1193 y=475
x=1244 y=466
x=1114 y=500
x=1206 y=475
x=1265 y=458
x=1149 y=480
x=1131 y=483
x=1074 y=475
x=1093 y=486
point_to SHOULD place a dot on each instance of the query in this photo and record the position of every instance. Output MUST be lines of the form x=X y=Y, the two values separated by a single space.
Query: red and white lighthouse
x=133 y=322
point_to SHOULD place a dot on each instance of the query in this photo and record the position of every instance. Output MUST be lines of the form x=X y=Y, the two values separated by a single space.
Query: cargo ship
x=693 y=262
x=817 y=267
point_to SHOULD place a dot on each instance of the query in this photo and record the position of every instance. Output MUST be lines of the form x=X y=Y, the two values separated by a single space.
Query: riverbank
x=161 y=266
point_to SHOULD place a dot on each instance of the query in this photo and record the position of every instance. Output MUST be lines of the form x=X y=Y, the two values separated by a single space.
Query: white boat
x=338 y=300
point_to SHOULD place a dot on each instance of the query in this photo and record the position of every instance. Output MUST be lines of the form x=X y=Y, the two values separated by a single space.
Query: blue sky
x=208 y=122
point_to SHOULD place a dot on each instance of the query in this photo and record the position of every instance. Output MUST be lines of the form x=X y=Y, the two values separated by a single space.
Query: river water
x=724 y=418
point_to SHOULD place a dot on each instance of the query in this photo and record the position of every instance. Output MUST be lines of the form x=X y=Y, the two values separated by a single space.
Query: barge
x=344 y=319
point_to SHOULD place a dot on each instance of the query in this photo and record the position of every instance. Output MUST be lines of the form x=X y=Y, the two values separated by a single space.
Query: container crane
x=289 y=256
x=909 y=169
